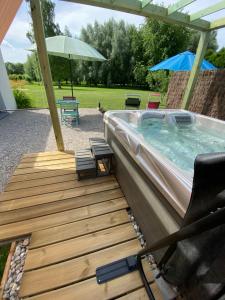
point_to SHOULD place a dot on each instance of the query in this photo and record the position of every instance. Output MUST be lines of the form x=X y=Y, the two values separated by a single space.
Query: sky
x=76 y=16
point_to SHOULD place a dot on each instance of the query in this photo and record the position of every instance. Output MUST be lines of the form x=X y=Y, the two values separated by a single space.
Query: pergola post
x=45 y=69
x=202 y=46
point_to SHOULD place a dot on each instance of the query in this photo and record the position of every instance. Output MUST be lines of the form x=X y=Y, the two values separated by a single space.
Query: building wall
x=209 y=93
x=7 y=100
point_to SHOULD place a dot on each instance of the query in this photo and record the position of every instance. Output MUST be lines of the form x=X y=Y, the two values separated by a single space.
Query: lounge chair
x=133 y=101
x=153 y=101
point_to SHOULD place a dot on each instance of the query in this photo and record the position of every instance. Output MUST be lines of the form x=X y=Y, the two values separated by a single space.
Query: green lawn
x=110 y=98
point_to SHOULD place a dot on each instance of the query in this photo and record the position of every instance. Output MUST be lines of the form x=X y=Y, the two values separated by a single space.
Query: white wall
x=6 y=93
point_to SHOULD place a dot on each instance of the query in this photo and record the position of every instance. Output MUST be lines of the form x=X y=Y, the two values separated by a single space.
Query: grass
x=89 y=97
x=4 y=251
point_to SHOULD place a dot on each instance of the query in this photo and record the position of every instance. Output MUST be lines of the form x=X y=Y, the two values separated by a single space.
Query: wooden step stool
x=96 y=141
x=102 y=153
x=85 y=164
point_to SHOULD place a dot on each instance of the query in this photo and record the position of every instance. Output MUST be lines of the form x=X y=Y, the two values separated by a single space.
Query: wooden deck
x=75 y=226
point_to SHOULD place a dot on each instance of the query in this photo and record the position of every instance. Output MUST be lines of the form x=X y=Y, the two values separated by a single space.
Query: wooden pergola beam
x=45 y=69
x=202 y=46
x=217 y=24
x=178 y=5
x=148 y=10
x=145 y=3
x=208 y=11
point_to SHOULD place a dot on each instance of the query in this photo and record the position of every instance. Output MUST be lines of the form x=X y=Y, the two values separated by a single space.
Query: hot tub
x=163 y=145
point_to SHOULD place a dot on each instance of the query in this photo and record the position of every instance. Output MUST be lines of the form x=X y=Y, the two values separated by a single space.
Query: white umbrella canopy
x=71 y=48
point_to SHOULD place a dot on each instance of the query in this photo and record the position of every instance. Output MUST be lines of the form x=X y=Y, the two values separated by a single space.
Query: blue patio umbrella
x=181 y=62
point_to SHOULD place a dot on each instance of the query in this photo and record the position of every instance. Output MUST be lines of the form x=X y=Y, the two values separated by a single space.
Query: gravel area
x=12 y=286
x=31 y=131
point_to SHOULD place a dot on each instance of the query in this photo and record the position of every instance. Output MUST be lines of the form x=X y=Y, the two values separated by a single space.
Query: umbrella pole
x=71 y=75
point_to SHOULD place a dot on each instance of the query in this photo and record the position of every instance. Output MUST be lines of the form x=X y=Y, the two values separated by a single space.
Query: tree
x=217 y=58
x=140 y=73
x=114 y=40
x=59 y=66
x=161 y=40
x=50 y=28
x=16 y=68
x=194 y=39
x=67 y=32
x=32 y=68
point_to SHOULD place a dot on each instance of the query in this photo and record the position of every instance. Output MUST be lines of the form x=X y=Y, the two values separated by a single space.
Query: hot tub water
x=180 y=144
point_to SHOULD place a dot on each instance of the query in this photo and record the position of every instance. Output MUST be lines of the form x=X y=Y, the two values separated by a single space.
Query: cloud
x=76 y=16
x=7 y=44
x=13 y=54
x=15 y=42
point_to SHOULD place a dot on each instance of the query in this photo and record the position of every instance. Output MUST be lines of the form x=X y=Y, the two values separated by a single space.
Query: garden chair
x=69 y=98
x=69 y=112
x=132 y=101
x=153 y=101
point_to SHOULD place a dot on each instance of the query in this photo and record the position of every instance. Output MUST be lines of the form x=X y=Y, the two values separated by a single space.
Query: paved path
x=31 y=131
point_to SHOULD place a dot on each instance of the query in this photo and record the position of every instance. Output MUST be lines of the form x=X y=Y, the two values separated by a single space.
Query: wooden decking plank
x=54 y=187
x=46 y=158
x=44 y=279
x=59 y=206
x=41 y=182
x=72 y=230
x=139 y=294
x=46 y=153
x=13 y=230
x=44 y=168
x=89 y=289
x=72 y=248
x=45 y=163
x=57 y=196
x=41 y=175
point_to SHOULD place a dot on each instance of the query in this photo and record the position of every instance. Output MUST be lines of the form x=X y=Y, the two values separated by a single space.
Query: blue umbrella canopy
x=181 y=62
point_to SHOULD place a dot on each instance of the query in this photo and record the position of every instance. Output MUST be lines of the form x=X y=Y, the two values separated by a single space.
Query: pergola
x=146 y=8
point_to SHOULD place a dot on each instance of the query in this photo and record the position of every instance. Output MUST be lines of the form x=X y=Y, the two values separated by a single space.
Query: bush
x=18 y=77
x=22 y=100
x=27 y=78
x=158 y=81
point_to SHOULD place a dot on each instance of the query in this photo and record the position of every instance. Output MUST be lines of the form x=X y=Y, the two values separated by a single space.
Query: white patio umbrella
x=71 y=48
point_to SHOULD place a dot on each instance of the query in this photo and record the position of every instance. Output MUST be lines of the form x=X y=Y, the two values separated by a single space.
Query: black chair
x=132 y=102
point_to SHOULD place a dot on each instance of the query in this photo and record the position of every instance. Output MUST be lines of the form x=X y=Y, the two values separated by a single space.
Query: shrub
x=22 y=100
x=27 y=78
x=158 y=81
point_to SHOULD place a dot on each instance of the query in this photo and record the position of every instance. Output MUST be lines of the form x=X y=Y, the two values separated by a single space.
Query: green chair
x=69 y=111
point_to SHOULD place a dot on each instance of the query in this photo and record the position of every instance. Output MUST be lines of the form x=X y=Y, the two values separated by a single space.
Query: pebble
x=140 y=236
x=19 y=276
x=12 y=286
x=26 y=242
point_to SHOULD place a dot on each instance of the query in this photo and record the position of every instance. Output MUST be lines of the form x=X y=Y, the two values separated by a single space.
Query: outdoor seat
x=69 y=98
x=153 y=105
x=133 y=101
x=69 y=112
x=153 y=101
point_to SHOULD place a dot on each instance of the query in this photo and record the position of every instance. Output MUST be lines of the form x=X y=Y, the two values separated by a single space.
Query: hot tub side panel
x=156 y=217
